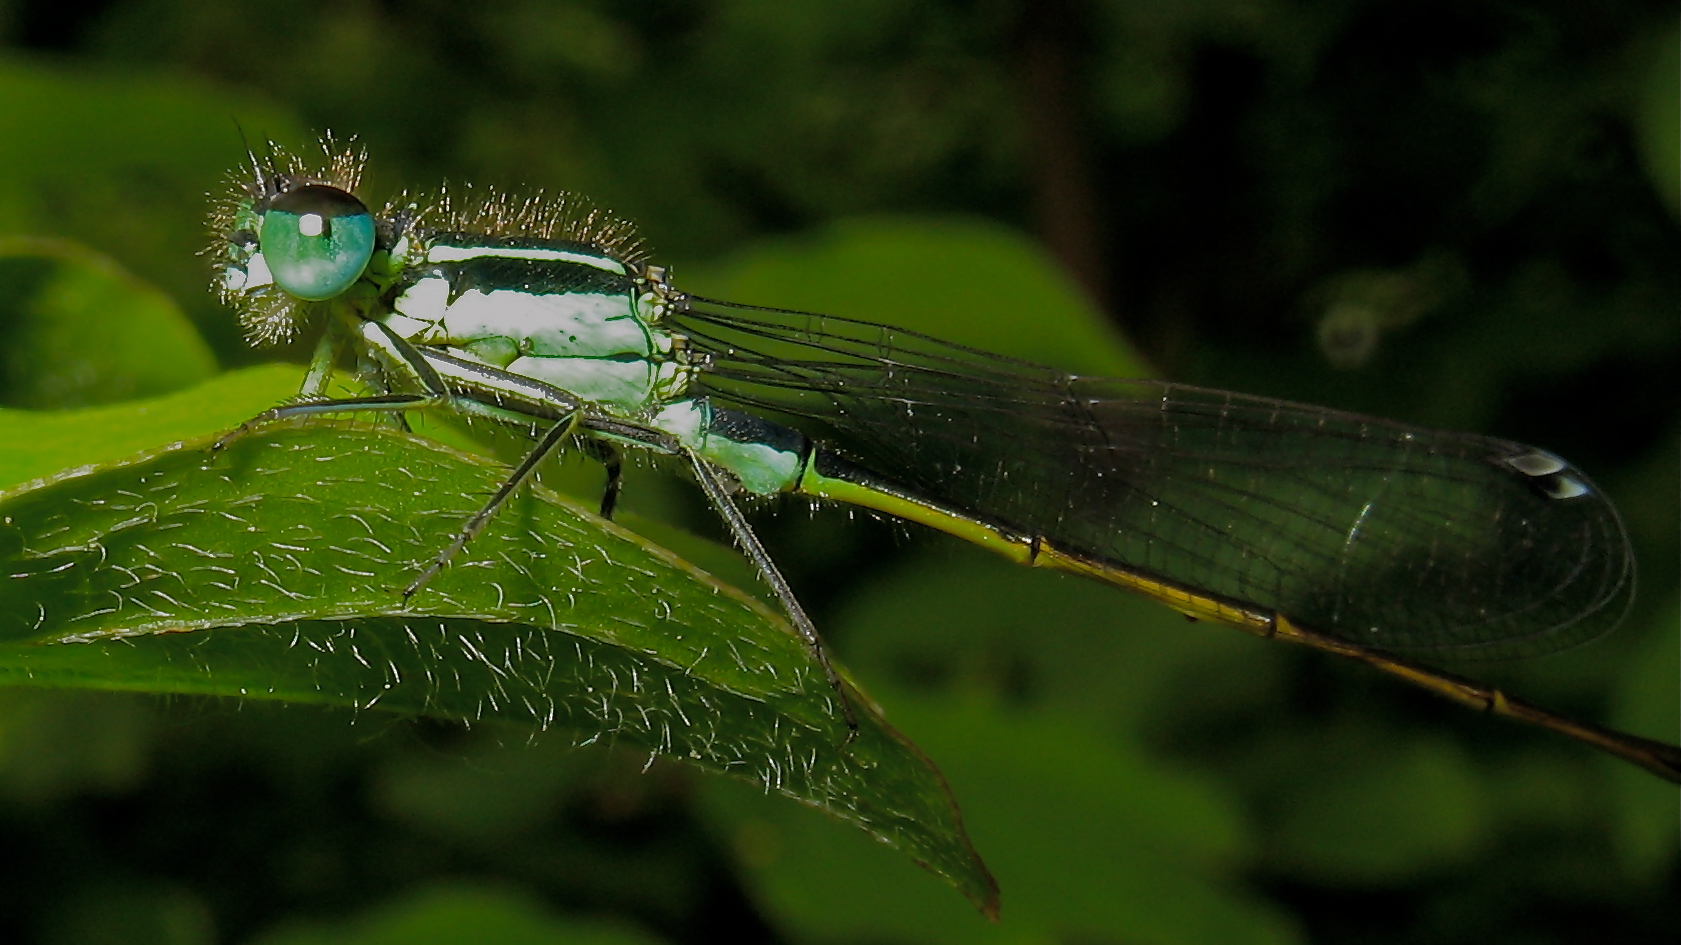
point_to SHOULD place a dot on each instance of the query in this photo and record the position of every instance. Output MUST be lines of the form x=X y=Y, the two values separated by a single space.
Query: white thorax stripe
x=444 y=253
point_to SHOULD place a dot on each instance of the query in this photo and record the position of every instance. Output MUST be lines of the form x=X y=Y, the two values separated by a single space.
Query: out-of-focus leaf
x=60 y=744
x=1093 y=841
x=1646 y=815
x=121 y=160
x=451 y=915
x=78 y=330
x=966 y=281
x=1389 y=812
x=136 y=911
x=1657 y=117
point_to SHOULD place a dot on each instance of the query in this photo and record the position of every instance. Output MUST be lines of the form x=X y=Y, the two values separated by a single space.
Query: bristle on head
x=277 y=171
x=561 y=216
x=270 y=317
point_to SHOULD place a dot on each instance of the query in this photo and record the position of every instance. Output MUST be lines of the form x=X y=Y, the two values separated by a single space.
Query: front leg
x=378 y=403
x=397 y=357
x=545 y=448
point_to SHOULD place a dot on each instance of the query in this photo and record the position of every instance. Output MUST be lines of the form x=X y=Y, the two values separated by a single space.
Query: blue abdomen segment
x=765 y=457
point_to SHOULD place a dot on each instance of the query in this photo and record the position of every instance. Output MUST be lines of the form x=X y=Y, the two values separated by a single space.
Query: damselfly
x=1372 y=540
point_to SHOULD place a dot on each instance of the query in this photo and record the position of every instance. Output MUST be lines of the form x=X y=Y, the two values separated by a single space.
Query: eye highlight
x=316 y=240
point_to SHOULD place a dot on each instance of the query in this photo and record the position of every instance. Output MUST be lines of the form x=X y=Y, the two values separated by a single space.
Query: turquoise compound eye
x=316 y=241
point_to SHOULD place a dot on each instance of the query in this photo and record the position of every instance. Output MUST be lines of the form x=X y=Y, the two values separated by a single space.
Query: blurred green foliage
x=1459 y=214
x=80 y=331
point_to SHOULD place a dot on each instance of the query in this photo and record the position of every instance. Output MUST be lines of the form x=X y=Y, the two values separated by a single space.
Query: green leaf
x=79 y=330
x=1644 y=812
x=39 y=444
x=1094 y=841
x=446 y=915
x=1386 y=811
x=273 y=569
x=121 y=159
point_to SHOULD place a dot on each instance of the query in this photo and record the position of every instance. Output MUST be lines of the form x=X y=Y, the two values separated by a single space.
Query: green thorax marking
x=558 y=311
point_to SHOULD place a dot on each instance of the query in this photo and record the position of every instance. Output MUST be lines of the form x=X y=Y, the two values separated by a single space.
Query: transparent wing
x=1402 y=538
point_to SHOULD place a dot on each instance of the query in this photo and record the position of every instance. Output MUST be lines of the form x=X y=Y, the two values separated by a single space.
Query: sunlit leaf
x=273 y=569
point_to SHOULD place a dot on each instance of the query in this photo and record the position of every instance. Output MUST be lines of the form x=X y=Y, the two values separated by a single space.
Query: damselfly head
x=288 y=233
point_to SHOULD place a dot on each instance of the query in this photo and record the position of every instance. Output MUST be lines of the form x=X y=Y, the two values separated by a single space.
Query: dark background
x=1456 y=214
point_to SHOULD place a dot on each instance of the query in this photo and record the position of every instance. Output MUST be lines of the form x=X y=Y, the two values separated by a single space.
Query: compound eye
x=316 y=240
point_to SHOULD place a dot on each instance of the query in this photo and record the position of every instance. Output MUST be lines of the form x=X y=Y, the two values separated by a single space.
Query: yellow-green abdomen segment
x=828 y=476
